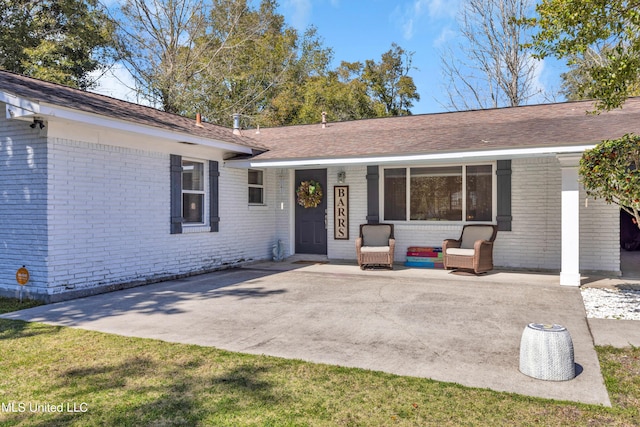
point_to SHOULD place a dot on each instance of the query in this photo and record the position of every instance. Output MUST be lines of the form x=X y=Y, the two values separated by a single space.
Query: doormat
x=310 y=262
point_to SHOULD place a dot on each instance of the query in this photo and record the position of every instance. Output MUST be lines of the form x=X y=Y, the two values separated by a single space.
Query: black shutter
x=503 y=172
x=176 y=193
x=373 y=195
x=214 y=196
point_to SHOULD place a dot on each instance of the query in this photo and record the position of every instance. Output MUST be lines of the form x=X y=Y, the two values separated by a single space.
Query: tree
x=611 y=170
x=274 y=64
x=352 y=91
x=495 y=71
x=575 y=80
x=340 y=93
x=576 y=83
x=224 y=57
x=569 y=28
x=215 y=57
x=62 y=41
x=389 y=83
x=170 y=47
x=157 y=45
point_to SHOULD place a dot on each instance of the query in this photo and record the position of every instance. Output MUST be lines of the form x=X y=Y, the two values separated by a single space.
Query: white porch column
x=570 y=261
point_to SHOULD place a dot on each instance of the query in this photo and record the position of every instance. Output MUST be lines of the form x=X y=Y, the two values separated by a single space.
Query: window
x=256 y=187
x=436 y=194
x=193 y=192
x=442 y=193
x=479 y=191
x=395 y=193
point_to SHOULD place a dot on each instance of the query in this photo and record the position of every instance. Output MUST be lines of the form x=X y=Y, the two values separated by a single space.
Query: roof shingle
x=548 y=125
x=88 y=102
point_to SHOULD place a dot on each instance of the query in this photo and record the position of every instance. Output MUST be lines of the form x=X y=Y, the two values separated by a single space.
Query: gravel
x=604 y=303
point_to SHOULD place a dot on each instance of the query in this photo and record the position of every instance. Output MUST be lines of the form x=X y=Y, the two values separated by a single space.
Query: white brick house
x=98 y=194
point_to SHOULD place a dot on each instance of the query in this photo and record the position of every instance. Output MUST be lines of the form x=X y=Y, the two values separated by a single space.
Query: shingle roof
x=88 y=102
x=549 y=125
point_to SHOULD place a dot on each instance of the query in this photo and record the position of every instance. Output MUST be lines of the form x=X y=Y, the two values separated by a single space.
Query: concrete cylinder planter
x=546 y=352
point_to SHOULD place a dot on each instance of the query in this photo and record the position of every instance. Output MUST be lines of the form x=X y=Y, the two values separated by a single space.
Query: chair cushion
x=460 y=251
x=476 y=232
x=371 y=249
x=376 y=235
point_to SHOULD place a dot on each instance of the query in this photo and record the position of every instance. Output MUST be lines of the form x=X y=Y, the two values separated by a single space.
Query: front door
x=311 y=227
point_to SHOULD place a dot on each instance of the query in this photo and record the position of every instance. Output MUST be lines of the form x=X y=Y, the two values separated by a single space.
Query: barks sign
x=341 y=212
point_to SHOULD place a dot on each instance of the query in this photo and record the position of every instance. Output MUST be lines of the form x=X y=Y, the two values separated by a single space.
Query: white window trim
x=494 y=195
x=196 y=227
x=263 y=187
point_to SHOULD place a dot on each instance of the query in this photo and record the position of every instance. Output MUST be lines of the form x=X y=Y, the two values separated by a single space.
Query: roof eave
x=24 y=108
x=440 y=157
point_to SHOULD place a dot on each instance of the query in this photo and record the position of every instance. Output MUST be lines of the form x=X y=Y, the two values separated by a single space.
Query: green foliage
x=13 y=304
x=352 y=91
x=230 y=56
x=61 y=41
x=611 y=171
x=569 y=28
x=388 y=81
x=577 y=82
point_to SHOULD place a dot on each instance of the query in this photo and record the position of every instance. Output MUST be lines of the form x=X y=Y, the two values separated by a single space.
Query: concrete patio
x=423 y=323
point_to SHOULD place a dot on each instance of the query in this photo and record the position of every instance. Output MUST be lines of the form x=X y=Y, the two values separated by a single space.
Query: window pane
x=255 y=195
x=255 y=177
x=436 y=193
x=193 y=208
x=395 y=194
x=479 y=190
x=192 y=175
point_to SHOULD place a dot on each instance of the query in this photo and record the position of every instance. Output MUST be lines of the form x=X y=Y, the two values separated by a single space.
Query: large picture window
x=439 y=193
x=193 y=192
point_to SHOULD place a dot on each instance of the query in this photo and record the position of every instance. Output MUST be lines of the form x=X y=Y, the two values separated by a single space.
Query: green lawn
x=114 y=380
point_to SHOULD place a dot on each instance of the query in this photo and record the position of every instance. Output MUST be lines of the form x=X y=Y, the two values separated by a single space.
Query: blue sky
x=358 y=30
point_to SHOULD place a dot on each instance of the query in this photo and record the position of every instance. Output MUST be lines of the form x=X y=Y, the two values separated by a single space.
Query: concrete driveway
x=422 y=323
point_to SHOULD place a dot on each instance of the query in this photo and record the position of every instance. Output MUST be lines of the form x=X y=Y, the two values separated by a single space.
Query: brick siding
x=535 y=239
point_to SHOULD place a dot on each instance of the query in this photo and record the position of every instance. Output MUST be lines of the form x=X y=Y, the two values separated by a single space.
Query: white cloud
x=409 y=16
x=299 y=12
x=443 y=38
x=538 y=84
x=118 y=83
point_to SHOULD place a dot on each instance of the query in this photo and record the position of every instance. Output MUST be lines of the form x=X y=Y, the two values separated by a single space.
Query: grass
x=115 y=380
x=13 y=304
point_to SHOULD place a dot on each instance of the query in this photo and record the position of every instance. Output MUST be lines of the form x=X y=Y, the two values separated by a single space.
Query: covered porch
x=545 y=223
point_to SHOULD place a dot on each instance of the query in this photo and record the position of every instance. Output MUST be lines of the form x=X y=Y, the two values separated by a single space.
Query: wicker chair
x=473 y=250
x=376 y=245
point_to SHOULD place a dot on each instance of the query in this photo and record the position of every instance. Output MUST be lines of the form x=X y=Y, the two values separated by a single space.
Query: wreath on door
x=309 y=194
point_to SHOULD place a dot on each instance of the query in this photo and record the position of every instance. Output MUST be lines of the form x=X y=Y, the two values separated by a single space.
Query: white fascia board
x=509 y=153
x=122 y=125
x=19 y=107
x=31 y=108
